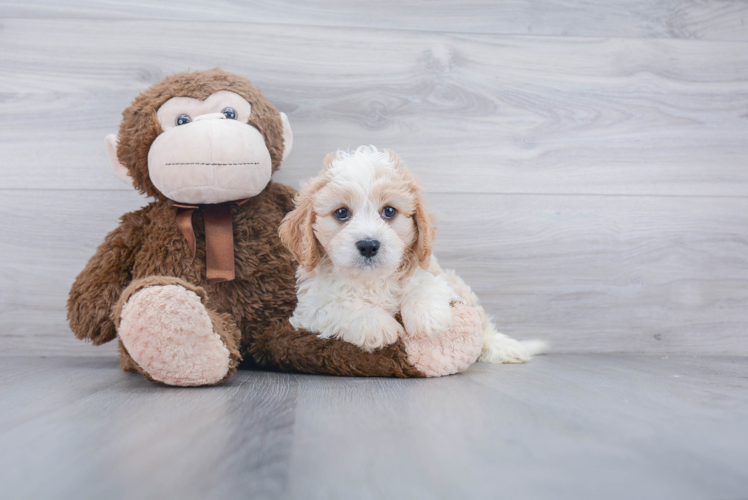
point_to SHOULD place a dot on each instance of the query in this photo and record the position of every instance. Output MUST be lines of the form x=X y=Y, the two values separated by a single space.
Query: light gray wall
x=588 y=163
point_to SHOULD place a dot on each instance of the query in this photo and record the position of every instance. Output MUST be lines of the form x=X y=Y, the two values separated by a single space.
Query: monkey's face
x=210 y=148
x=208 y=152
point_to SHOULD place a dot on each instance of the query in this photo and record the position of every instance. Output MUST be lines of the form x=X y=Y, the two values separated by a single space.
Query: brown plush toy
x=198 y=281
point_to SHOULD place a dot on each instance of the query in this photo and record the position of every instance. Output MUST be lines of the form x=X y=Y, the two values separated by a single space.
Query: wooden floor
x=561 y=427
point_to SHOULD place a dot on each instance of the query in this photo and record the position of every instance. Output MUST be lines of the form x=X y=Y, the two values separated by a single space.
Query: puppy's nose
x=368 y=248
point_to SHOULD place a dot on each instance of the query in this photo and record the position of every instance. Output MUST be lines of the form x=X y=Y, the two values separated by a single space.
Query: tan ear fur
x=424 y=244
x=297 y=229
x=422 y=247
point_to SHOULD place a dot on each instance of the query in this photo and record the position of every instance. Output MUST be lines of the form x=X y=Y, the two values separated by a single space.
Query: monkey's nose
x=210 y=116
x=367 y=248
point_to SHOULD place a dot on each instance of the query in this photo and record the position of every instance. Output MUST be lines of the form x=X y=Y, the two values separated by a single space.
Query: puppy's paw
x=426 y=319
x=374 y=330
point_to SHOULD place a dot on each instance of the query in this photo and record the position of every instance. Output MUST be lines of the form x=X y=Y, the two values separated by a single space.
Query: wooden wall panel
x=591 y=183
x=588 y=273
x=715 y=20
x=511 y=114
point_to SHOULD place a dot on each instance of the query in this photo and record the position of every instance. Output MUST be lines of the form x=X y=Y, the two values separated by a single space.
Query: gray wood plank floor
x=563 y=426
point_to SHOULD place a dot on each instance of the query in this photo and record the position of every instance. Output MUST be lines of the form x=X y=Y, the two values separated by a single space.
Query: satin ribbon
x=219 y=237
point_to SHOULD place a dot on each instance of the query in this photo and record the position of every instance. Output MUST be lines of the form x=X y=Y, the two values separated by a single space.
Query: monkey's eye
x=389 y=213
x=229 y=113
x=183 y=120
x=342 y=214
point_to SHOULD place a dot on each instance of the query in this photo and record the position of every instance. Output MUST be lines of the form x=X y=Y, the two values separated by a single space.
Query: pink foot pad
x=167 y=331
x=452 y=352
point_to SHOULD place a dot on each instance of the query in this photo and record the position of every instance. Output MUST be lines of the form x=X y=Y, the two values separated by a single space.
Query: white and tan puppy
x=363 y=241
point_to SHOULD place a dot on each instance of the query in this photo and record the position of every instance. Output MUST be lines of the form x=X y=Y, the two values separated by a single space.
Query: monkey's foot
x=169 y=333
x=451 y=352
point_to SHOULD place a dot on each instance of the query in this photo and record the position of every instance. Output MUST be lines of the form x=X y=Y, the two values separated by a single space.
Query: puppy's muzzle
x=368 y=248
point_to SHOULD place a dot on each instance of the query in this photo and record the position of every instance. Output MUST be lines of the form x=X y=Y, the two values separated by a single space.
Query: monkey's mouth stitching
x=212 y=164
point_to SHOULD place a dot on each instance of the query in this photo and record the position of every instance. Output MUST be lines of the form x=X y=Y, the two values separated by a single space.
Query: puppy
x=364 y=244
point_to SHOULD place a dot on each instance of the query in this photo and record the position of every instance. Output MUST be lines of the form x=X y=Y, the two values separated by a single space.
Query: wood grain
x=712 y=20
x=214 y=430
x=474 y=113
x=605 y=274
x=588 y=273
x=561 y=427
x=593 y=190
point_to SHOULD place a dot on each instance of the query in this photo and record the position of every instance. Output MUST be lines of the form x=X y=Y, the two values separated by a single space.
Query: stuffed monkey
x=198 y=281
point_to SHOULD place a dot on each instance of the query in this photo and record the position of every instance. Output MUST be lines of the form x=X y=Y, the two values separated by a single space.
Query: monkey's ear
x=111 y=152
x=287 y=136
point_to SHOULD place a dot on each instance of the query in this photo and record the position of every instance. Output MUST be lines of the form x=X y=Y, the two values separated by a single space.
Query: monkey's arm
x=282 y=348
x=98 y=287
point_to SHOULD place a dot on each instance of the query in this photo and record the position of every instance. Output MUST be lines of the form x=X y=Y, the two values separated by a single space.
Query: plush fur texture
x=147 y=254
x=284 y=348
x=497 y=347
x=186 y=167
x=140 y=125
x=169 y=333
x=454 y=351
x=346 y=293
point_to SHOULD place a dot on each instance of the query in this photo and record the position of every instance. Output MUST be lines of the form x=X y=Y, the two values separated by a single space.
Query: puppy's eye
x=389 y=213
x=229 y=113
x=183 y=120
x=342 y=214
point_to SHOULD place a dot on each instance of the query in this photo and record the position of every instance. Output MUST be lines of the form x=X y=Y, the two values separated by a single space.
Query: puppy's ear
x=297 y=232
x=424 y=243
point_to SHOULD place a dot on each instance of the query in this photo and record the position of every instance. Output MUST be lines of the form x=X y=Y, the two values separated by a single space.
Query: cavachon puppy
x=363 y=240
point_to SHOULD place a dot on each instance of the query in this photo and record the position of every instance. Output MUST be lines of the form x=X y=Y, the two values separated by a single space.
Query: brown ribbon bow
x=219 y=237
